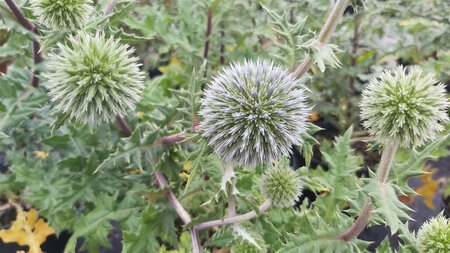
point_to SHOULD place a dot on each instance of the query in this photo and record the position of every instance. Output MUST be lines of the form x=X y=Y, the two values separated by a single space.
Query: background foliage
x=81 y=179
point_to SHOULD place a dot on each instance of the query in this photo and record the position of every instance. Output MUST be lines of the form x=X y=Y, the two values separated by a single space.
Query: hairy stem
x=109 y=7
x=124 y=126
x=364 y=216
x=231 y=205
x=207 y=38
x=222 y=44
x=235 y=219
x=231 y=195
x=324 y=35
x=173 y=201
x=37 y=56
x=196 y=243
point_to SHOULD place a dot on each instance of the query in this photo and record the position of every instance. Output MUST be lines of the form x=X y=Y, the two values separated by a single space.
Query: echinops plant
x=434 y=235
x=65 y=15
x=405 y=104
x=253 y=112
x=281 y=185
x=206 y=126
x=94 y=78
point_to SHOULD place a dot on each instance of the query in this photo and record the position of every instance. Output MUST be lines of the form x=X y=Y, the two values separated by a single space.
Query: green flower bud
x=93 y=79
x=404 y=105
x=253 y=112
x=62 y=14
x=281 y=185
x=434 y=236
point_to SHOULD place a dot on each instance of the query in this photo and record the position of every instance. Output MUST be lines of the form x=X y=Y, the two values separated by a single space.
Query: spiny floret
x=281 y=185
x=94 y=78
x=434 y=236
x=62 y=14
x=253 y=112
x=404 y=105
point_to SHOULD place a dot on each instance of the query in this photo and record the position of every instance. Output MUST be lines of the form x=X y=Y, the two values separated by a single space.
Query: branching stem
x=37 y=56
x=235 y=219
x=324 y=35
x=173 y=201
x=207 y=38
x=365 y=214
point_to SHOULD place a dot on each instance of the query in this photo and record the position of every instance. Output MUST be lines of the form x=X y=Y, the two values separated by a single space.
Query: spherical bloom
x=253 y=112
x=281 y=185
x=93 y=78
x=244 y=246
x=62 y=14
x=434 y=236
x=404 y=105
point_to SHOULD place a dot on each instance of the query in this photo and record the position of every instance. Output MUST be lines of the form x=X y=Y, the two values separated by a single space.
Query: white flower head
x=434 y=236
x=253 y=112
x=63 y=15
x=281 y=185
x=405 y=105
x=93 y=78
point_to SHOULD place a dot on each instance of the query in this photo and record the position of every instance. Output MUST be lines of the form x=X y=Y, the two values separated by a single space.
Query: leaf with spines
x=413 y=166
x=308 y=141
x=388 y=208
x=137 y=150
x=289 y=32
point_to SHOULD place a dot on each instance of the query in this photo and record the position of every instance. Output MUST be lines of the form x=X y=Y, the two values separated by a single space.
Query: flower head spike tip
x=434 y=236
x=281 y=185
x=62 y=14
x=405 y=105
x=253 y=112
x=94 y=78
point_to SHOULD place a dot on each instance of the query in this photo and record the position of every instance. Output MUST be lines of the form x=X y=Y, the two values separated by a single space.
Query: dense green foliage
x=81 y=178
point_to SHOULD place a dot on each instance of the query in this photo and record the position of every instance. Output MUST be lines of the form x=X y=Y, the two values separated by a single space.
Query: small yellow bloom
x=140 y=114
x=187 y=165
x=229 y=48
x=41 y=154
x=184 y=175
x=173 y=63
x=136 y=171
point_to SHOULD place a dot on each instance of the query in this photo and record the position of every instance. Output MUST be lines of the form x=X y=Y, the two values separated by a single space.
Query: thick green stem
x=364 y=216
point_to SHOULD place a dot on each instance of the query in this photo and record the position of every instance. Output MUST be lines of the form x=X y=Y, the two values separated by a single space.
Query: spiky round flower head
x=253 y=112
x=244 y=246
x=281 y=185
x=94 y=78
x=434 y=236
x=404 y=105
x=62 y=14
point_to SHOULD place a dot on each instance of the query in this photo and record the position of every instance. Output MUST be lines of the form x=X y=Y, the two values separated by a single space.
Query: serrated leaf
x=413 y=166
x=221 y=238
x=388 y=208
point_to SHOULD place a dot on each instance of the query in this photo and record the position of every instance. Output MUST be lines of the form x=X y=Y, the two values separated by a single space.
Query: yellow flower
x=41 y=154
x=140 y=114
x=187 y=166
x=184 y=175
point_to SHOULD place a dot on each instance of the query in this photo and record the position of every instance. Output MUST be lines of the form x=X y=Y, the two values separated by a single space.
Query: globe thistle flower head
x=94 y=78
x=281 y=185
x=253 y=112
x=405 y=105
x=59 y=15
x=434 y=235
